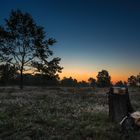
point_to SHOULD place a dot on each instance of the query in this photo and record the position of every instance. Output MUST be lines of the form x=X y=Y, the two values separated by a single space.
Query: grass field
x=60 y=114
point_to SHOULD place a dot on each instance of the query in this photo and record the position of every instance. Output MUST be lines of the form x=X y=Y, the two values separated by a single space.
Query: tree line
x=9 y=75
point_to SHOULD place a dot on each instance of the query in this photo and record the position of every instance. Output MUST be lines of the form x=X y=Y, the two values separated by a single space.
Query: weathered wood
x=119 y=104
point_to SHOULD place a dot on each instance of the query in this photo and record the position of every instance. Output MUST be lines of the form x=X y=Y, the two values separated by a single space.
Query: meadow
x=58 y=113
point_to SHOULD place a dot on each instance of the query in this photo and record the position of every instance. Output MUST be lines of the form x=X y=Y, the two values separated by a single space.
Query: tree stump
x=119 y=103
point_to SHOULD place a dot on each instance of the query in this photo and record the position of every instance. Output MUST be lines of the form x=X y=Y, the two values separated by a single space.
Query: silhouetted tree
x=103 y=79
x=92 y=82
x=7 y=73
x=23 y=44
x=132 y=81
x=50 y=70
x=83 y=84
x=68 y=82
x=121 y=84
x=40 y=80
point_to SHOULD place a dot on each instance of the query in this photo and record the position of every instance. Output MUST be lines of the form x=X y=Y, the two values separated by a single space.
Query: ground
x=45 y=113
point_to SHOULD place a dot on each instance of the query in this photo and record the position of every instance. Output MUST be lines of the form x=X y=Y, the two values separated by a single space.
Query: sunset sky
x=92 y=34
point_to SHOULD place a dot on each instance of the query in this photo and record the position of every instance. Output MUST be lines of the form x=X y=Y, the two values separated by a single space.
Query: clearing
x=54 y=113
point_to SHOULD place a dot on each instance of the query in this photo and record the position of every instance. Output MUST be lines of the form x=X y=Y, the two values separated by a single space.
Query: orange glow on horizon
x=81 y=75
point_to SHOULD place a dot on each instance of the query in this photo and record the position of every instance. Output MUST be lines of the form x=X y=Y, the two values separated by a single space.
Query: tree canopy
x=92 y=82
x=103 y=79
x=134 y=80
x=24 y=45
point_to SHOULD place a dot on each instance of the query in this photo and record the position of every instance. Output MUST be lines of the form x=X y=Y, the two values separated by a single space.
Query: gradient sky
x=92 y=34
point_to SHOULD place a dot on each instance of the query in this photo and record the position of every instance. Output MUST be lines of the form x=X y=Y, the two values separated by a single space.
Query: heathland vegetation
x=50 y=108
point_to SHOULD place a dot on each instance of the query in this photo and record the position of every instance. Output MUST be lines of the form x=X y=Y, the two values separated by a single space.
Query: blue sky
x=92 y=34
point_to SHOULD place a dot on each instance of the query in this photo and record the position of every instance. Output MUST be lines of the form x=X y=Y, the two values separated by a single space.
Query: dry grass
x=39 y=113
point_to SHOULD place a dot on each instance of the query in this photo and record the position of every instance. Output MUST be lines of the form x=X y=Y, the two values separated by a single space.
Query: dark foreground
x=60 y=114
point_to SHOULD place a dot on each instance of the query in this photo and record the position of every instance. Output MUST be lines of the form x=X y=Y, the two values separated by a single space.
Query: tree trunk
x=21 y=78
x=119 y=105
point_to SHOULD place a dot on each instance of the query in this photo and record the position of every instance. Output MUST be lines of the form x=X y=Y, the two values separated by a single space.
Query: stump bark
x=119 y=105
